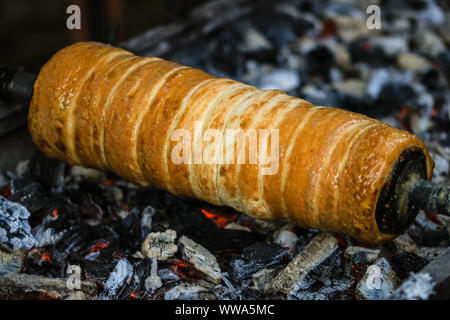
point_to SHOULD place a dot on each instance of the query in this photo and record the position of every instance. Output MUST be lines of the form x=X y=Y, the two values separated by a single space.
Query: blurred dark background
x=32 y=31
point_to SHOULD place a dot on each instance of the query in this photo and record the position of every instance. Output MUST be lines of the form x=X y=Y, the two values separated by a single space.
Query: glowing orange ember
x=220 y=220
x=54 y=213
x=109 y=182
x=6 y=192
x=45 y=256
x=132 y=295
x=99 y=246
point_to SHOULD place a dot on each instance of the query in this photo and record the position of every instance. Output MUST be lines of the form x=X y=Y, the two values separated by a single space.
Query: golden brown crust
x=103 y=107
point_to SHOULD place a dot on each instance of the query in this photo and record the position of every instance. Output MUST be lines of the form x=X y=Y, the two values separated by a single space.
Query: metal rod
x=16 y=85
x=430 y=196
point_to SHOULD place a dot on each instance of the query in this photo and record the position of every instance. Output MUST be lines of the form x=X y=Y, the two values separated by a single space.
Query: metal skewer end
x=430 y=196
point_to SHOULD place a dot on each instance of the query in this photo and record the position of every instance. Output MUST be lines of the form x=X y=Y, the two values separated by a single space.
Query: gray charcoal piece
x=318 y=250
x=378 y=282
x=202 y=260
x=15 y=231
x=118 y=278
x=185 y=292
x=153 y=281
x=356 y=253
x=432 y=282
x=23 y=284
x=11 y=261
x=160 y=245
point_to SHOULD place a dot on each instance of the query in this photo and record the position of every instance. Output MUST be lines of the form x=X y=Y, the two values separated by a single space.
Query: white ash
x=281 y=79
x=378 y=282
x=405 y=243
x=392 y=46
x=237 y=226
x=368 y=255
x=202 y=260
x=381 y=77
x=160 y=245
x=253 y=40
x=441 y=169
x=185 y=292
x=21 y=168
x=15 y=231
x=417 y=287
x=47 y=236
x=153 y=281
x=317 y=251
x=119 y=277
x=262 y=279
x=286 y=239
x=81 y=173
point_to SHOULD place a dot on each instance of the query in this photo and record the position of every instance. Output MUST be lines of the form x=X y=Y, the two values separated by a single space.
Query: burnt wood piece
x=22 y=285
x=432 y=282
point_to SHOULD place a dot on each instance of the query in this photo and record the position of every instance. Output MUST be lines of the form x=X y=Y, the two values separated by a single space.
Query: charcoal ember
x=15 y=230
x=427 y=233
x=319 y=61
x=404 y=263
x=316 y=252
x=118 y=280
x=160 y=245
x=379 y=281
x=186 y=292
x=432 y=282
x=82 y=238
x=31 y=195
x=167 y=275
x=88 y=198
x=202 y=260
x=362 y=50
x=256 y=257
x=3 y=179
x=153 y=281
x=282 y=29
x=327 y=281
x=24 y=285
x=129 y=230
x=97 y=270
x=12 y=261
x=186 y=220
x=361 y=255
x=396 y=95
x=48 y=172
x=444 y=63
